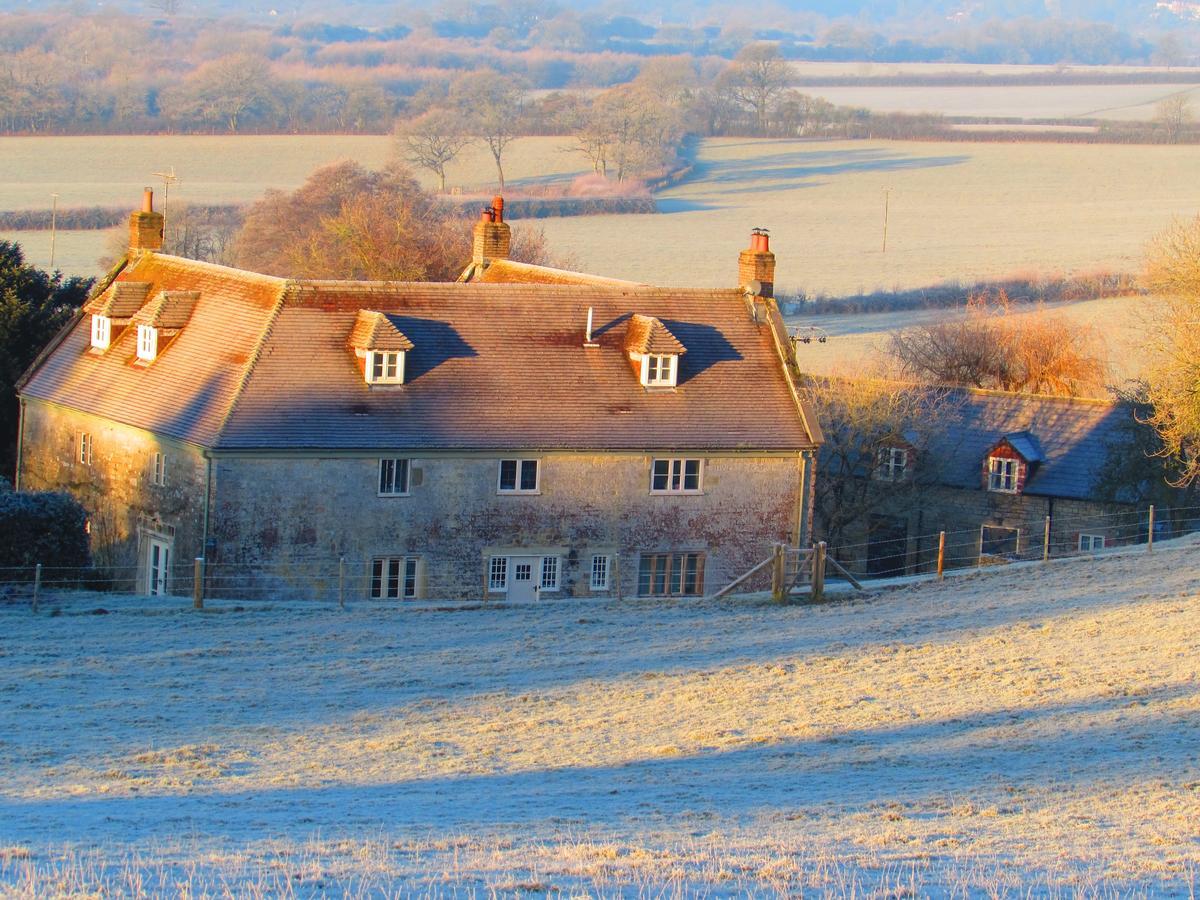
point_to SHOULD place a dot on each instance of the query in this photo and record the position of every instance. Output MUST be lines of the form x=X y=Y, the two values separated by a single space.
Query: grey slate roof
x=1070 y=436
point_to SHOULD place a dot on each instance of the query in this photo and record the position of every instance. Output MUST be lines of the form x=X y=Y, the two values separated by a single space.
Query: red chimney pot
x=498 y=206
x=147 y=200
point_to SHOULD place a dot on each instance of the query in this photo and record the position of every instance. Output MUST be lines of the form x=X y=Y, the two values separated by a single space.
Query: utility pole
x=887 y=198
x=53 y=226
x=168 y=178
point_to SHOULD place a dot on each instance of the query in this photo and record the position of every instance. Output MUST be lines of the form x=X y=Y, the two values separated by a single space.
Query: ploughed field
x=1033 y=731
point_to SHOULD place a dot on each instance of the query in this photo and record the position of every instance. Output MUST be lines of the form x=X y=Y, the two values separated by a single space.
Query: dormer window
x=658 y=369
x=385 y=367
x=891 y=464
x=381 y=346
x=101 y=332
x=147 y=342
x=653 y=352
x=1002 y=474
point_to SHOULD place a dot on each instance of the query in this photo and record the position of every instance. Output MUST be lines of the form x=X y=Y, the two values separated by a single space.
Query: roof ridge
x=252 y=362
x=217 y=268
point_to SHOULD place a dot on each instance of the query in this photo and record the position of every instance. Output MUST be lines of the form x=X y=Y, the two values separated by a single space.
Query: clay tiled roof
x=504 y=367
x=168 y=310
x=190 y=389
x=507 y=271
x=646 y=334
x=120 y=300
x=375 y=331
x=262 y=364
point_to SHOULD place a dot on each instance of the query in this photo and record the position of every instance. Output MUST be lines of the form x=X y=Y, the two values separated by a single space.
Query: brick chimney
x=146 y=226
x=757 y=264
x=492 y=234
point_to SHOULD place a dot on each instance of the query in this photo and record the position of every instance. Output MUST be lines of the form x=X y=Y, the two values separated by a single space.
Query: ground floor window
x=1090 y=542
x=997 y=540
x=393 y=578
x=671 y=574
x=599 y=573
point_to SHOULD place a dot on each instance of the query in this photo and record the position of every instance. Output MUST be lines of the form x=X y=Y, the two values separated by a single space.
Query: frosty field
x=1028 y=732
x=957 y=211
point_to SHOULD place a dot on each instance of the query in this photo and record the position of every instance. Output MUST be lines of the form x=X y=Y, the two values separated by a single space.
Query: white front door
x=159 y=568
x=524 y=577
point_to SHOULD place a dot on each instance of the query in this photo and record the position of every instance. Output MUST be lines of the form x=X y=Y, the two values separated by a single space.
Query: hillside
x=1031 y=731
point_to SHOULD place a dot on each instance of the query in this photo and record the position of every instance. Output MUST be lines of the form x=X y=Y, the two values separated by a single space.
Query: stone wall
x=961 y=514
x=290 y=519
x=116 y=487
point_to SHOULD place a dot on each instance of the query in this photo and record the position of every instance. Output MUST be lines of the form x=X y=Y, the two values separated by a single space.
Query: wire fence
x=345 y=579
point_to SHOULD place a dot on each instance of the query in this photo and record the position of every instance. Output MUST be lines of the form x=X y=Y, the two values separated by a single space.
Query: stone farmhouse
x=524 y=433
x=991 y=466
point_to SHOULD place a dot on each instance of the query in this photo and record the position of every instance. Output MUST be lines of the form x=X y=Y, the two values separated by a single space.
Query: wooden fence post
x=1046 y=541
x=198 y=583
x=818 y=579
x=941 y=564
x=37 y=585
x=778 y=578
x=341 y=582
x=1150 y=532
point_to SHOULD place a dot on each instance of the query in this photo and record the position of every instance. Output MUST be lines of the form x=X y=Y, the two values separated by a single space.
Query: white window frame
x=1090 y=543
x=101 y=332
x=676 y=475
x=666 y=369
x=891 y=464
x=601 y=572
x=551 y=567
x=390 y=367
x=498 y=574
x=147 y=342
x=84 y=441
x=393 y=578
x=386 y=477
x=1003 y=474
x=158 y=469
x=520 y=463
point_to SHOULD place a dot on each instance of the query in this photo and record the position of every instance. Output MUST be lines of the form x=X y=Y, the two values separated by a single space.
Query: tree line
x=113 y=72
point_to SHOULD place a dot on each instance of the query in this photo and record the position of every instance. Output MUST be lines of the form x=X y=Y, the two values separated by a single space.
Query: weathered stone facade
x=112 y=472
x=283 y=523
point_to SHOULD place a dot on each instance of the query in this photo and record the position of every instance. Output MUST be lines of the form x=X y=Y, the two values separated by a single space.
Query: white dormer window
x=659 y=369
x=147 y=343
x=101 y=332
x=385 y=367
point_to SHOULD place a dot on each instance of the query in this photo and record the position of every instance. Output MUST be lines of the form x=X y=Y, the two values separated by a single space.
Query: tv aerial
x=808 y=334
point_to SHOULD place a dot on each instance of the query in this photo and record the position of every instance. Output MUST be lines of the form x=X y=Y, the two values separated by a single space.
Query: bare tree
x=993 y=347
x=1173 y=114
x=864 y=420
x=758 y=75
x=492 y=105
x=1173 y=382
x=432 y=140
x=224 y=91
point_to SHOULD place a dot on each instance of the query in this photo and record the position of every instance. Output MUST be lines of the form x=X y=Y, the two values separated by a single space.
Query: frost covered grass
x=1013 y=733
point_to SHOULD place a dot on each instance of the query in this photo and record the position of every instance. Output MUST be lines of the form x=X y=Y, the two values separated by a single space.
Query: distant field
x=964 y=212
x=102 y=171
x=1124 y=102
x=884 y=70
x=958 y=211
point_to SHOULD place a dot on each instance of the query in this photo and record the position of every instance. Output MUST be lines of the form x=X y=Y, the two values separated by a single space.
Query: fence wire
x=346 y=579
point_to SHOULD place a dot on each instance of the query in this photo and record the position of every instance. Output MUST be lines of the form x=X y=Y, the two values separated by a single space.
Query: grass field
x=965 y=212
x=957 y=211
x=1027 y=732
x=1124 y=102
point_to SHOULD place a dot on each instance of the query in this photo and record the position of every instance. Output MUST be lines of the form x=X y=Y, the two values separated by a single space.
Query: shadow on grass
x=1104 y=744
